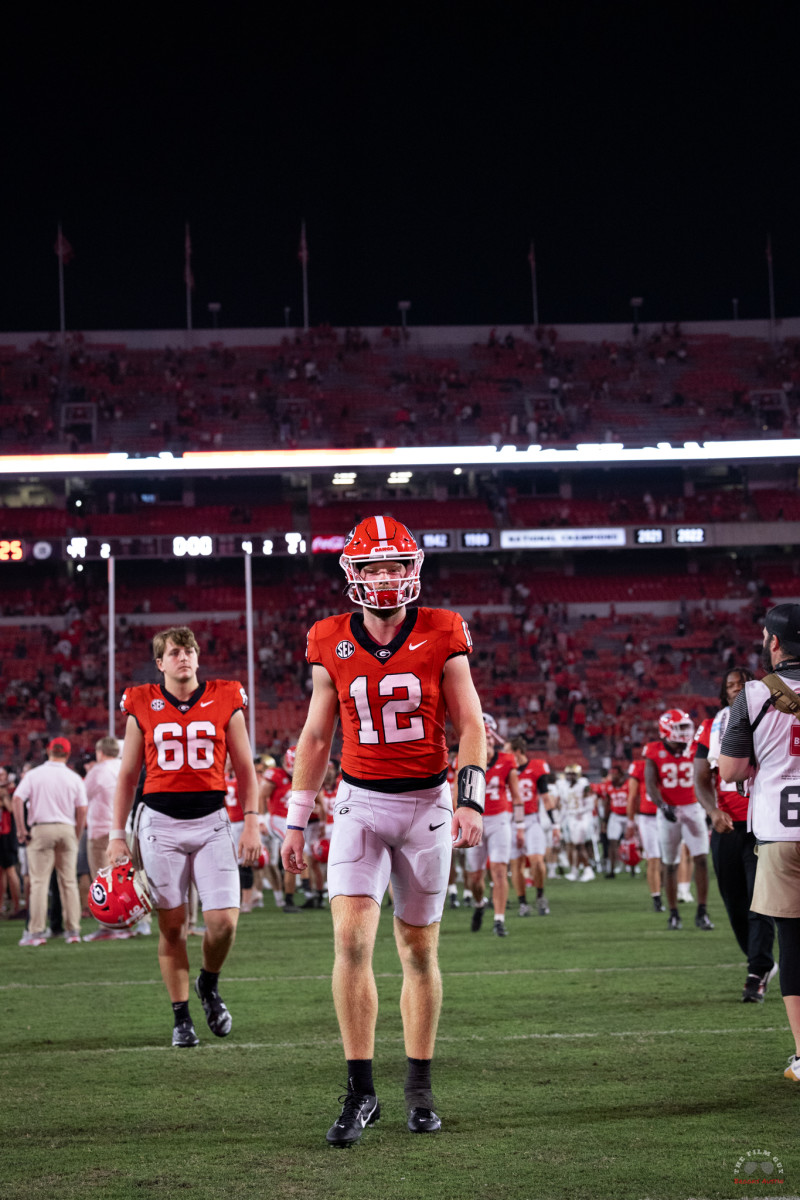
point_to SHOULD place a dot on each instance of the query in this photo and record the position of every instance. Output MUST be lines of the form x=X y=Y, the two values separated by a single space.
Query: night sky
x=649 y=148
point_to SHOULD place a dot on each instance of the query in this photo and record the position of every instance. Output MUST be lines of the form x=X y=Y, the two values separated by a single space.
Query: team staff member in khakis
x=389 y=674
x=762 y=743
x=56 y=815
x=183 y=729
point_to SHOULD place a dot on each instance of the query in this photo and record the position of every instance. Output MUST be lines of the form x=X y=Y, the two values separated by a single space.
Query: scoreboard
x=201 y=545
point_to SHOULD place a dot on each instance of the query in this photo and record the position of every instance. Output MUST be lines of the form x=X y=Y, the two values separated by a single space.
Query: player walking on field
x=669 y=780
x=183 y=731
x=390 y=674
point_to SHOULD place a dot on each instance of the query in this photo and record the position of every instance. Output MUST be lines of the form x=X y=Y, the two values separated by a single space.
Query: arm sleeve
x=738 y=739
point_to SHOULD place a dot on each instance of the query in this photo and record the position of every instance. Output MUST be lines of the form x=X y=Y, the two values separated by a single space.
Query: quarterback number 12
x=393 y=731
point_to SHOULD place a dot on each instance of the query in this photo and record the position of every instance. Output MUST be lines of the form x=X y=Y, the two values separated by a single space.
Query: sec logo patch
x=345 y=650
x=157 y=705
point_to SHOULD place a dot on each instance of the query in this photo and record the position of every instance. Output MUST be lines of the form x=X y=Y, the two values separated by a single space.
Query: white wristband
x=300 y=807
x=117 y=834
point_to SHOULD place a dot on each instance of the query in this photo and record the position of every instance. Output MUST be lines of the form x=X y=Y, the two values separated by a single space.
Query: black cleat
x=704 y=921
x=183 y=1035
x=454 y=901
x=674 y=921
x=217 y=1015
x=751 y=992
x=499 y=929
x=357 y=1112
x=658 y=904
x=477 y=917
x=424 y=1120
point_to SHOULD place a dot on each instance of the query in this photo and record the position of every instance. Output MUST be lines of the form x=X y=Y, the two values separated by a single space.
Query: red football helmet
x=629 y=853
x=321 y=850
x=262 y=860
x=119 y=896
x=675 y=725
x=288 y=760
x=381 y=539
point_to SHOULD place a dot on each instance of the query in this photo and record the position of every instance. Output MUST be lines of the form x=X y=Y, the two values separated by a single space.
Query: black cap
x=784 y=621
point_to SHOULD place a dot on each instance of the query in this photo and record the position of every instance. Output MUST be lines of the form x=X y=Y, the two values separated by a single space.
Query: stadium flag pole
x=112 y=642
x=302 y=254
x=63 y=252
x=534 y=289
x=251 y=673
x=188 y=278
x=771 y=280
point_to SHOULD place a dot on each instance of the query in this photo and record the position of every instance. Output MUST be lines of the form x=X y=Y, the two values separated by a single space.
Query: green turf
x=589 y=1054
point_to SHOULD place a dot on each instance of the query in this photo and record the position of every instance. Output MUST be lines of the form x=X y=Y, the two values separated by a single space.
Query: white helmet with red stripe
x=382 y=540
x=493 y=736
x=677 y=726
x=288 y=760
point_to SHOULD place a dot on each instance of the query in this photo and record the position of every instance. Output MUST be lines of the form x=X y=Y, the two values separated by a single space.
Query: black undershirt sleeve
x=738 y=739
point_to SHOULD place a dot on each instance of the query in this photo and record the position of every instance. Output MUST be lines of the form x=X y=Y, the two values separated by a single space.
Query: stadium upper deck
x=342 y=388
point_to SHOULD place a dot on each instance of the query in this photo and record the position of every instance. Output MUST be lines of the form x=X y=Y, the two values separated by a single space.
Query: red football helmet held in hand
x=629 y=852
x=321 y=849
x=119 y=896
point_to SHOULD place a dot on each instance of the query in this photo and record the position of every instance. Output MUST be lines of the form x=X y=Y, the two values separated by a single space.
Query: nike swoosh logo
x=416 y=645
x=206 y=703
x=439 y=826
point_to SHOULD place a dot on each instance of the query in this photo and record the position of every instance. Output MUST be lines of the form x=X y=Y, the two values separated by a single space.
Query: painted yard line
x=326 y=1043
x=86 y=983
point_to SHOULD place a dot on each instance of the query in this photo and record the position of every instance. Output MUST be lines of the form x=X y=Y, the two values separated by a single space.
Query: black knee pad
x=246 y=877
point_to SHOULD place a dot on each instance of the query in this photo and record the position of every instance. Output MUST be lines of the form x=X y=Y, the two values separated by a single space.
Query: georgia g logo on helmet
x=676 y=727
x=377 y=540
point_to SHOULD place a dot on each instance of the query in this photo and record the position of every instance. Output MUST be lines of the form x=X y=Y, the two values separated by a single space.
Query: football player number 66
x=198 y=751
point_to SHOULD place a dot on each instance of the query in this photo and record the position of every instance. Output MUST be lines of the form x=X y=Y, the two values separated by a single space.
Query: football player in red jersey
x=183 y=730
x=276 y=785
x=502 y=798
x=615 y=812
x=642 y=815
x=669 y=776
x=534 y=779
x=733 y=845
x=390 y=674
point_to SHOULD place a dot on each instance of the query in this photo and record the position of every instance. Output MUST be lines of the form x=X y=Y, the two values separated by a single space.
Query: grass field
x=589 y=1054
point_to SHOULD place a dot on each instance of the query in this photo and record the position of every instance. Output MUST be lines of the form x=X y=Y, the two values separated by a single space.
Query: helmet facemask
x=381 y=540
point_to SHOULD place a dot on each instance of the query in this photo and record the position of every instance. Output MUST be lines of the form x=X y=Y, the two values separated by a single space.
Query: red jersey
x=184 y=741
x=646 y=806
x=498 y=799
x=675 y=772
x=235 y=811
x=390 y=697
x=528 y=779
x=729 y=799
x=278 y=800
x=617 y=797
